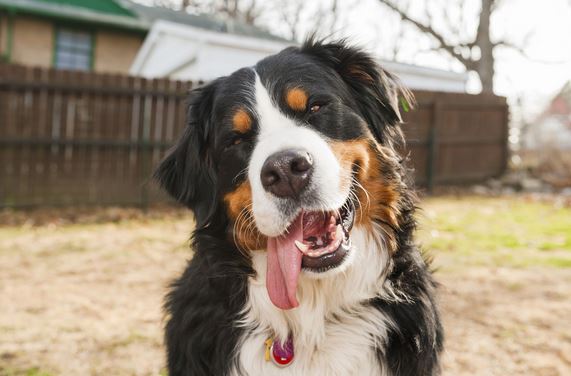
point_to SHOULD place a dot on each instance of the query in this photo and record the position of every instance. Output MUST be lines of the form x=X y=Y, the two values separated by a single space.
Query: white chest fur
x=333 y=332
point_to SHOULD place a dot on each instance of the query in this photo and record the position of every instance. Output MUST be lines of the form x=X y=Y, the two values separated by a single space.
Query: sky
x=542 y=27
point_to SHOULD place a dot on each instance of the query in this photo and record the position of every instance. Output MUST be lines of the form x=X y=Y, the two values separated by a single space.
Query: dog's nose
x=287 y=173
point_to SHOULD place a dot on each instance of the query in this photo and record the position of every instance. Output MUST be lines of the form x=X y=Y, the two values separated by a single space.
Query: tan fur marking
x=296 y=99
x=241 y=121
x=239 y=207
x=380 y=201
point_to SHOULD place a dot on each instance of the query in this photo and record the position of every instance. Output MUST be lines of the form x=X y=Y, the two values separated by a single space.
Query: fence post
x=145 y=172
x=506 y=132
x=433 y=145
x=145 y=140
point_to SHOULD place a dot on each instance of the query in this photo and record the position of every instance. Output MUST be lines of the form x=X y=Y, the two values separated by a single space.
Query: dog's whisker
x=243 y=171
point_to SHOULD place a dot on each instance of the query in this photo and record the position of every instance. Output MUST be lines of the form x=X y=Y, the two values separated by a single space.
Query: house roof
x=565 y=94
x=91 y=12
x=202 y=21
x=126 y=14
x=101 y=6
x=558 y=108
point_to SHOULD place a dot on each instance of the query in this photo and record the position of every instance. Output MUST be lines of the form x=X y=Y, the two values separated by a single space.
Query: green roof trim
x=66 y=11
x=101 y=6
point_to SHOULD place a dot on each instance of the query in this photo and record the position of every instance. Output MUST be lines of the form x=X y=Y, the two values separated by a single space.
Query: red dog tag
x=282 y=356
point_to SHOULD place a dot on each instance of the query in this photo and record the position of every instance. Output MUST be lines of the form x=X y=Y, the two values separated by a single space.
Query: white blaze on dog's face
x=298 y=190
x=327 y=189
x=293 y=152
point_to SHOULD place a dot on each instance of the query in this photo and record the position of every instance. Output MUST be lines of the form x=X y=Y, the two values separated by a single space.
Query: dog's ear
x=378 y=93
x=187 y=172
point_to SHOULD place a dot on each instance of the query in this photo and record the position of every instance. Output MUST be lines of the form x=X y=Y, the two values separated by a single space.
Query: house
x=97 y=35
x=198 y=54
x=91 y=35
x=552 y=128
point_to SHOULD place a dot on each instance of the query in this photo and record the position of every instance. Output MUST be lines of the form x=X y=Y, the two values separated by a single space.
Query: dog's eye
x=315 y=108
x=234 y=141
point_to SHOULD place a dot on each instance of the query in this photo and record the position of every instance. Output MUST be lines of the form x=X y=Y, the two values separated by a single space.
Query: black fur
x=189 y=161
x=204 y=304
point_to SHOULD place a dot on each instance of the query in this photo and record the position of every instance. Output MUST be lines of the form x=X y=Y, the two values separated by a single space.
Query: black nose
x=287 y=173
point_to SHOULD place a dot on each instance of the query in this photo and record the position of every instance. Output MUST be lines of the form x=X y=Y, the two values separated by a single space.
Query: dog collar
x=281 y=356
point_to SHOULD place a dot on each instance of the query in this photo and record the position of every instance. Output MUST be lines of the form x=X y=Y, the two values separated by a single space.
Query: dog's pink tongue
x=284 y=265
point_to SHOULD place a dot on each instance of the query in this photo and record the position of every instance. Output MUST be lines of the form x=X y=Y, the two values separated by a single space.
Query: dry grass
x=85 y=299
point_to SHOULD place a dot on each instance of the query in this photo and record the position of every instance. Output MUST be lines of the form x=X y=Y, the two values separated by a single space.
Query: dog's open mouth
x=314 y=241
x=326 y=239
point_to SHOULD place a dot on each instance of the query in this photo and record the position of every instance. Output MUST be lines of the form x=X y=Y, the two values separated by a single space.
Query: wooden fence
x=69 y=138
x=457 y=138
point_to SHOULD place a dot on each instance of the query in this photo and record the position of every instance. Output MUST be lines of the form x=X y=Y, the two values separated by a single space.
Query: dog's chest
x=327 y=341
x=337 y=355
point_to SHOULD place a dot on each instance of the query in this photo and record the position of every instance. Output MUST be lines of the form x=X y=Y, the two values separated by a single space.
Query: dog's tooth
x=301 y=246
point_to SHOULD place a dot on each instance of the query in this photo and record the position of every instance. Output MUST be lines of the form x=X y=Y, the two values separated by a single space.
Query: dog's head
x=289 y=155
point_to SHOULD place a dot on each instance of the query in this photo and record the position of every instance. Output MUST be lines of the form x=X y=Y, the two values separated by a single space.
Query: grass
x=497 y=231
x=24 y=372
x=84 y=294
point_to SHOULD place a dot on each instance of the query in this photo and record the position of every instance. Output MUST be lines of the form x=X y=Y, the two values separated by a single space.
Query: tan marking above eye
x=242 y=121
x=296 y=99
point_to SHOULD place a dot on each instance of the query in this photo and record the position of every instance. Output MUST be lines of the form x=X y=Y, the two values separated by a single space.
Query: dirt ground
x=83 y=297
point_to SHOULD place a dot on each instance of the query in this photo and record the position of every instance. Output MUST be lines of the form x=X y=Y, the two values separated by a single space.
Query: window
x=73 y=49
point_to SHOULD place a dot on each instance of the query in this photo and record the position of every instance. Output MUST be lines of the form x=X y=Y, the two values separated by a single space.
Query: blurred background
x=92 y=93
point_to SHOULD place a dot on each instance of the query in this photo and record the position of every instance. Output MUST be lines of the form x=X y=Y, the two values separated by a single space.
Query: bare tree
x=302 y=17
x=296 y=17
x=474 y=51
x=246 y=11
x=290 y=14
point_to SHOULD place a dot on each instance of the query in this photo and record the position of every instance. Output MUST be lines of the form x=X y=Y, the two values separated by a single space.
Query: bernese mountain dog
x=304 y=259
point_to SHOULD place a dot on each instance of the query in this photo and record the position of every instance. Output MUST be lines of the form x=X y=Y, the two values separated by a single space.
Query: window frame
x=58 y=28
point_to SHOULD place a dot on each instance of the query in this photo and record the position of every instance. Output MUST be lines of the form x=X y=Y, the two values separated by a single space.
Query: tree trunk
x=485 y=65
x=481 y=55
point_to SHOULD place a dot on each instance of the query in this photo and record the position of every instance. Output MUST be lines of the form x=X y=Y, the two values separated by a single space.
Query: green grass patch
x=497 y=231
x=24 y=372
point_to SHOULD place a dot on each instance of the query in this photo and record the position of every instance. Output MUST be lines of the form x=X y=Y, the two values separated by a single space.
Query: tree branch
x=430 y=31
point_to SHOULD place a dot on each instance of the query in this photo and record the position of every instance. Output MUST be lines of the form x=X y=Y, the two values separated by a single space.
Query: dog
x=304 y=258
